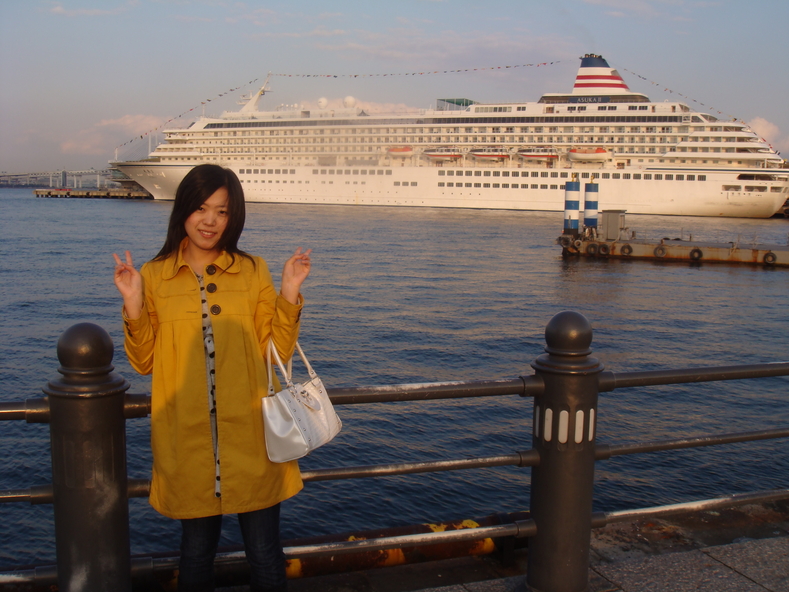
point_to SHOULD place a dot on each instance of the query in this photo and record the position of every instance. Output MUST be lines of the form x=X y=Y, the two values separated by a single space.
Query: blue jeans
x=260 y=530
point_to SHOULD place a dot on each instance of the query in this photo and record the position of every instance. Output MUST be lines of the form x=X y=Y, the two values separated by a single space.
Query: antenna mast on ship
x=251 y=103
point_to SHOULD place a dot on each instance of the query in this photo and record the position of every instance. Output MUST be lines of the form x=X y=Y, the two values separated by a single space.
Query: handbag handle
x=286 y=374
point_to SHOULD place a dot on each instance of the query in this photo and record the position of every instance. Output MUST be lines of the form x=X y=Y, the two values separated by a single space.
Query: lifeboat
x=400 y=151
x=490 y=153
x=538 y=153
x=443 y=153
x=588 y=154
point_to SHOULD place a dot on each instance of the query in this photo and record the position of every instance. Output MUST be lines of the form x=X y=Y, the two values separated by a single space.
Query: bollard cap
x=85 y=347
x=85 y=354
x=568 y=339
x=568 y=333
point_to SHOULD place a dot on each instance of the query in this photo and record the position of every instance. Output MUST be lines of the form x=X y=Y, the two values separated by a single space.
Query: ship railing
x=86 y=408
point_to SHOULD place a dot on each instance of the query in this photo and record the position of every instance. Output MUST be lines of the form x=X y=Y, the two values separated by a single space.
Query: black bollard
x=565 y=417
x=88 y=441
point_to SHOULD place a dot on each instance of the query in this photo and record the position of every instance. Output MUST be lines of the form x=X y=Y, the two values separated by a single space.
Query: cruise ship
x=647 y=157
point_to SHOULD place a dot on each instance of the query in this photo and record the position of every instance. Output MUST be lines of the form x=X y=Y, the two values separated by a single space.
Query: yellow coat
x=167 y=341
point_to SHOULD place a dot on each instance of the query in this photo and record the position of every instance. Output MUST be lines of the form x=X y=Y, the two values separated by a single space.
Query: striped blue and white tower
x=590 y=204
x=572 y=196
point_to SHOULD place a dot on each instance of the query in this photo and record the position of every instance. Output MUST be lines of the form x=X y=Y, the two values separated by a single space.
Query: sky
x=82 y=80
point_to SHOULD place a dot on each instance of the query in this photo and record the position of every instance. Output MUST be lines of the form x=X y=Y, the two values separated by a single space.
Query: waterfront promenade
x=743 y=549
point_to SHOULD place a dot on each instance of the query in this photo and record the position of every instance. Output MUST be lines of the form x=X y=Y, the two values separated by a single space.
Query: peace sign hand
x=129 y=283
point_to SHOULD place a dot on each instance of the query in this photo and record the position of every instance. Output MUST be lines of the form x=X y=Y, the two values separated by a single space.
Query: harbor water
x=401 y=295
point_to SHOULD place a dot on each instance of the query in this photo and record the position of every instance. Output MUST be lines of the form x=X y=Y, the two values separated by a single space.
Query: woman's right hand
x=129 y=283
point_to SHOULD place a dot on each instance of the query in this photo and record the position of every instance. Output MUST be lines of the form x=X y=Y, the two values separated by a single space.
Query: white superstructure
x=648 y=158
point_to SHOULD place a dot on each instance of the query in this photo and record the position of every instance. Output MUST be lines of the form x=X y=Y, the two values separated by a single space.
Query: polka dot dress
x=210 y=372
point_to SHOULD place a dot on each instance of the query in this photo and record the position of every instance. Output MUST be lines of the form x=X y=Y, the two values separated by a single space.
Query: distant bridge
x=62 y=178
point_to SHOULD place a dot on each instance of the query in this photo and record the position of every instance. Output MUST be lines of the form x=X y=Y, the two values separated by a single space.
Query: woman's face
x=205 y=225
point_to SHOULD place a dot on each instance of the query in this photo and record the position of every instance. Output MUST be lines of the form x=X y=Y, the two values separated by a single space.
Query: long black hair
x=197 y=186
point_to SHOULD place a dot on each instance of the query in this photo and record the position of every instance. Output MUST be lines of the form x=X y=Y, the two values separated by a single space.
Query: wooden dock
x=677 y=250
x=93 y=193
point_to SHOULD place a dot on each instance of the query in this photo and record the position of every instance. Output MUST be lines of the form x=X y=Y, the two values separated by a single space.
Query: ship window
x=495 y=186
x=626 y=175
x=534 y=186
x=397 y=183
x=486 y=185
x=543 y=187
x=571 y=109
x=477 y=184
x=323 y=171
x=602 y=108
x=468 y=173
x=448 y=184
x=555 y=175
x=563 y=175
x=535 y=174
x=514 y=174
x=554 y=187
x=486 y=173
x=496 y=173
x=355 y=171
x=633 y=108
x=584 y=175
x=442 y=173
x=468 y=184
x=615 y=175
x=606 y=175
x=691 y=177
x=544 y=174
x=314 y=171
x=381 y=172
x=647 y=177
x=702 y=177
x=450 y=173
x=477 y=173
x=505 y=185
x=669 y=177
x=440 y=184
x=256 y=171
x=388 y=172
x=331 y=171
x=658 y=177
x=364 y=172
x=732 y=188
x=755 y=188
x=413 y=183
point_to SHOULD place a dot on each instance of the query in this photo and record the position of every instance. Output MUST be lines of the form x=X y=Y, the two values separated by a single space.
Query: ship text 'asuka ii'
x=648 y=157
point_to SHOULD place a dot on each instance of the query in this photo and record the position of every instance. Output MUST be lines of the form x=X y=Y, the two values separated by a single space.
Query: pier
x=94 y=193
x=92 y=538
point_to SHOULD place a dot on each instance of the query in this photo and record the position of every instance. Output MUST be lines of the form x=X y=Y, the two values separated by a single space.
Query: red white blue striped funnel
x=596 y=77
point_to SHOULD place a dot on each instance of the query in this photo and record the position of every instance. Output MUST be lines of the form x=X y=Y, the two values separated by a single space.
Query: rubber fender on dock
x=660 y=251
x=626 y=250
x=578 y=244
x=696 y=254
x=565 y=240
x=591 y=249
x=603 y=250
x=769 y=258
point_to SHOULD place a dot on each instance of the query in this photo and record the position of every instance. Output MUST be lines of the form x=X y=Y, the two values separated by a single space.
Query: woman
x=199 y=317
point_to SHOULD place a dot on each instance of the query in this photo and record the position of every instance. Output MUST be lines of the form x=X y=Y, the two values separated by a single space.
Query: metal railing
x=87 y=407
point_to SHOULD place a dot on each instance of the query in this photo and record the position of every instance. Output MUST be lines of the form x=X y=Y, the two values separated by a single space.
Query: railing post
x=88 y=442
x=565 y=415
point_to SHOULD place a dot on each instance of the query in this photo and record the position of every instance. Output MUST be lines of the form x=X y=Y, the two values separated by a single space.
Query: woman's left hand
x=295 y=271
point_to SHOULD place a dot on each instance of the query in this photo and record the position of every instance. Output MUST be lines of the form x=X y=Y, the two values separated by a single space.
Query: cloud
x=58 y=9
x=102 y=137
x=771 y=133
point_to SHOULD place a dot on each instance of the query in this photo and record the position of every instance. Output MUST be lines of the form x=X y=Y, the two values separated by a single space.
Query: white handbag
x=299 y=418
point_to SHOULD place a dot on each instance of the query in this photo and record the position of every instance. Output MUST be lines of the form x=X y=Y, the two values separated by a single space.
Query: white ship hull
x=418 y=187
x=660 y=158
